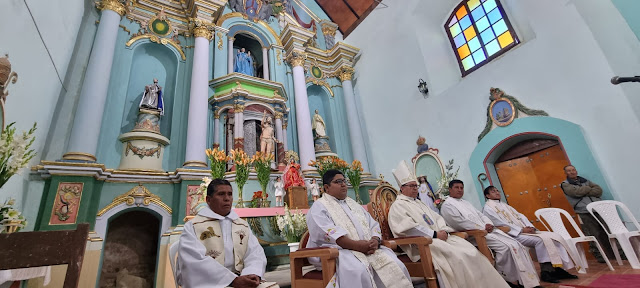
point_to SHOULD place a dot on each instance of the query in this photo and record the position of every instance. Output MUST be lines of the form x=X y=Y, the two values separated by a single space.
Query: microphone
x=617 y=80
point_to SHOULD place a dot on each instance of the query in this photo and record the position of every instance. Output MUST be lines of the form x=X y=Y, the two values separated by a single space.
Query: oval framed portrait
x=502 y=112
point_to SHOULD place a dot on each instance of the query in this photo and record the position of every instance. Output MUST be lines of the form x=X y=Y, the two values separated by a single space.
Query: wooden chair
x=47 y=248
x=313 y=278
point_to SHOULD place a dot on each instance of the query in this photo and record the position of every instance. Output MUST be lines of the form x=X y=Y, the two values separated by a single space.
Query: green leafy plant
x=291 y=225
x=15 y=151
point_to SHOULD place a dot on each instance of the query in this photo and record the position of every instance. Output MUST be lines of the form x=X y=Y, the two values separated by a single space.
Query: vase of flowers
x=218 y=162
x=15 y=151
x=241 y=161
x=292 y=226
x=354 y=173
x=11 y=219
x=331 y=162
x=262 y=165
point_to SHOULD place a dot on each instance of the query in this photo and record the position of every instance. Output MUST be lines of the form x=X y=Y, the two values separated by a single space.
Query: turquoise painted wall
x=630 y=10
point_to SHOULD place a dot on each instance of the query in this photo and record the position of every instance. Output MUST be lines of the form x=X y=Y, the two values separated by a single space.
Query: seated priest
x=512 y=259
x=338 y=221
x=456 y=261
x=551 y=249
x=217 y=248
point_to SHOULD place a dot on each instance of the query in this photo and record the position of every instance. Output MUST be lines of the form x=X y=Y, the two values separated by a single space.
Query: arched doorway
x=130 y=260
x=529 y=175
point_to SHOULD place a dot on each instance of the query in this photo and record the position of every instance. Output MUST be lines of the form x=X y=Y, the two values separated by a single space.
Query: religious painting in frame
x=502 y=111
x=193 y=197
x=66 y=204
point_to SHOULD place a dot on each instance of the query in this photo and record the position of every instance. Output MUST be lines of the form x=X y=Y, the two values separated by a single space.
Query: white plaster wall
x=34 y=97
x=560 y=67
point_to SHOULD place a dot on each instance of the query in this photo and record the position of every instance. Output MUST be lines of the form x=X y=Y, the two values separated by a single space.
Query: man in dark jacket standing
x=580 y=192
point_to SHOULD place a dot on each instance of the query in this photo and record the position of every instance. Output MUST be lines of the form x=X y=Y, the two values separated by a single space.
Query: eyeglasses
x=339 y=181
x=411 y=185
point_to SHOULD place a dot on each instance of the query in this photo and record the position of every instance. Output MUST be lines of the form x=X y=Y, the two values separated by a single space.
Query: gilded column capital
x=279 y=115
x=329 y=30
x=113 y=5
x=202 y=31
x=297 y=59
x=238 y=108
x=345 y=73
x=216 y=115
x=284 y=125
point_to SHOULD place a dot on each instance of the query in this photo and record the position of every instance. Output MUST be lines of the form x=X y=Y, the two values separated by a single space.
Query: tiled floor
x=594 y=271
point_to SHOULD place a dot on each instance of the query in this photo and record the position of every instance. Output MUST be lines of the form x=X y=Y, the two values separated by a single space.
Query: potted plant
x=241 y=161
x=218 y=162
x=327 y=163
x=354 y=173
x=262 y=165
x=292 y=226
x=14 y=151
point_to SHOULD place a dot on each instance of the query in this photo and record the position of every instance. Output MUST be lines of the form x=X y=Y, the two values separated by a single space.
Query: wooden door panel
x=548 y=165
x=518 y=182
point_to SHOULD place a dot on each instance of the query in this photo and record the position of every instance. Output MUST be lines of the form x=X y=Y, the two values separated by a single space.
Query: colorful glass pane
x=468 y=63
x=505 y=39
x=455 y=30
x=500 y=27
x=487 y=36
x=482 y=24
x=465 y=22
x=461 y=12
x=473 y=4
x=459 y=40
x=464 y=51
x=494 y=15
x=474 y=44
x=492 y=47
x=453 y=21
x=478 y=56
x=477 y=13
x=469 y=33
x=489 y=5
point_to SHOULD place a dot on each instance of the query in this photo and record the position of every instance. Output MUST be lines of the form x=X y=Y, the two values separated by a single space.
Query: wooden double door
x=532 y=181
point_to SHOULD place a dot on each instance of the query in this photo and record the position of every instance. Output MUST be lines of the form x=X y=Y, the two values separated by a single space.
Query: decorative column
x=216 y=129
x=303 y=117
x=83 y=142
x=355 y=132
x=329 y=31
x=230 y=55
x=284 y=136
x=278 y=117
x=198 y=99
x=238 y=141
x=265 y=63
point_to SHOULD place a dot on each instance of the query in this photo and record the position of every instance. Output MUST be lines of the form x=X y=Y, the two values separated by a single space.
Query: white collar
x=207 y=212
x=405 y=197
x=329 y=197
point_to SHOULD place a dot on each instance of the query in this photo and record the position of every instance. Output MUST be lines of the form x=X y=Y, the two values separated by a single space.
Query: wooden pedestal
x=296 y=197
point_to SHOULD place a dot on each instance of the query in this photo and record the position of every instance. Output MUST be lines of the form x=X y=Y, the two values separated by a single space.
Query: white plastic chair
x=553 y=216
x=606 y=209
x=173 y=253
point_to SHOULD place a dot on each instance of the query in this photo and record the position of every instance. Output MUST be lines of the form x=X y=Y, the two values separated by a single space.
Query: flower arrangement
x=291 y=225
x=443 y=183
x=327 y=163
x=10 y=218
x=354 y=173
x=218 y=162
x=14 y=151
x=257 y=199
x=262 y=165
x=242 y=161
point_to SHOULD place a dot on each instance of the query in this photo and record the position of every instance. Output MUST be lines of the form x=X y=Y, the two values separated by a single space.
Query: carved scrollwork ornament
x=239 y=108
x=113 y=5
x=345 y=73
x=279 y=115
x=297 y=59
x=327 y=30
x=202 y=31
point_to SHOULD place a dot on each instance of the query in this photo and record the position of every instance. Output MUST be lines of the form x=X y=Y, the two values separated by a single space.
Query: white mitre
x=403 y=174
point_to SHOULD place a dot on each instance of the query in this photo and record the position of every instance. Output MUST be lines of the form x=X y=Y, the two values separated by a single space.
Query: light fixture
x=422 y=86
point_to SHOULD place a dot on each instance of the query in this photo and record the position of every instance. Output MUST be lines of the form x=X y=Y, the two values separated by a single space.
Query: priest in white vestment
x=338 y=221
x=512 y=259
x=550 y=247
x=217 y=248
x=458 y=263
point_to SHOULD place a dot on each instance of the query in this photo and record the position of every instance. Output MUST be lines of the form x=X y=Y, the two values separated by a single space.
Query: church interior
x=115 y=112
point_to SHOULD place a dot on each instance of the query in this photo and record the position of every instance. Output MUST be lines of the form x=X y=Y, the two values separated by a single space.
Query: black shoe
x=514 y=285
x=601 y=260
x=560 y=273
x=548 y=277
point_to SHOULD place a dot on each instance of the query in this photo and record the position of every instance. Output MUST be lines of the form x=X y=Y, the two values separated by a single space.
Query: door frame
x=569 y=135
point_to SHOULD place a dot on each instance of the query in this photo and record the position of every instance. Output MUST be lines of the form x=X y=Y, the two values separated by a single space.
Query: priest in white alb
x=458 y=264
x=550 y=247
x=217 y=248
x=512 y=259
x=338 y=221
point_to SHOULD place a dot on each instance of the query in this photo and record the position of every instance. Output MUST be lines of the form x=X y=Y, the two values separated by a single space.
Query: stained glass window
x=479 y=31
